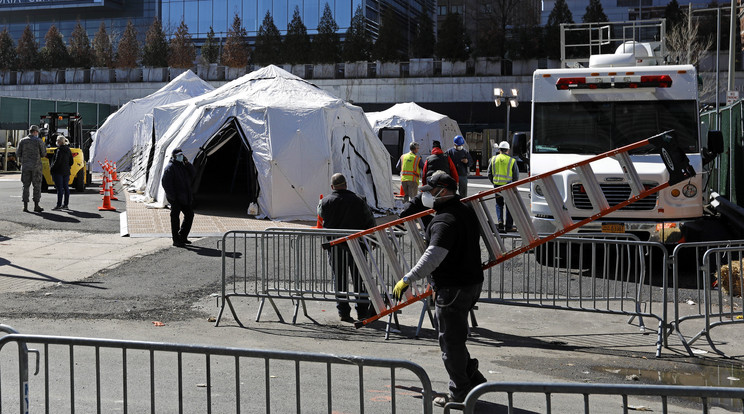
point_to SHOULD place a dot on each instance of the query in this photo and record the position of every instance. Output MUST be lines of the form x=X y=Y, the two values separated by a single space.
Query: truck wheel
x=79 y=182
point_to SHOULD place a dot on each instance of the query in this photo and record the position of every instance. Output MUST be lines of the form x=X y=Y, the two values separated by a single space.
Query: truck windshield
x=597 y=127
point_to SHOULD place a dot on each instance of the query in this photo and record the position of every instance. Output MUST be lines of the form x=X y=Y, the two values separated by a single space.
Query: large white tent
x=417 y=125
x=116 y=137
x=296 y=136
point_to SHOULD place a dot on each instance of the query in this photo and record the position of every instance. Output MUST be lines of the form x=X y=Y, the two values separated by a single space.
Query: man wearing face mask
x=462 y=160
x=177 y=178
x=453 y=260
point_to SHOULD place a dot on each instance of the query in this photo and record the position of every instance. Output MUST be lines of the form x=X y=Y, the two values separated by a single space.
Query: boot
x=25 y=206
x=37 y=208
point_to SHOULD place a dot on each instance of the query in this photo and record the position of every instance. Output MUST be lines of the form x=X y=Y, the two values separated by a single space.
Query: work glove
x=399 y=289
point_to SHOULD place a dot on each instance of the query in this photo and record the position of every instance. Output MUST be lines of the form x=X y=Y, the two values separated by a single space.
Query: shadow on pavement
x=58 y=218
x=84 y=214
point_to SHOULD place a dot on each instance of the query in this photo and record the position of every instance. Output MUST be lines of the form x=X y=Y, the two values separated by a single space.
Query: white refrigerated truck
x=581 y=112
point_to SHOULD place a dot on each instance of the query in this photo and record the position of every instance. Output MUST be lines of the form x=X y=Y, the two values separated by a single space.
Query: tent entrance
x=392 y=138
x=226 y=177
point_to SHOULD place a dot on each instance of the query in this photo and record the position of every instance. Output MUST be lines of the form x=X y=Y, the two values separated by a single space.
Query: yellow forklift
x=69 y=124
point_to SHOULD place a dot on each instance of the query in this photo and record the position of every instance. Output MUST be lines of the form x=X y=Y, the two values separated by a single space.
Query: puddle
x=708 y=376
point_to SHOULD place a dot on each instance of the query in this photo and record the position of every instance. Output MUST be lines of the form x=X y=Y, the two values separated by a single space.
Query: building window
x=442 y=10
x=457 y=10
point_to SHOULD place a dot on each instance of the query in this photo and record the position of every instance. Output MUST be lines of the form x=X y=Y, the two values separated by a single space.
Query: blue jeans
x=62 y=184
x=453 y=308
x=500 y=207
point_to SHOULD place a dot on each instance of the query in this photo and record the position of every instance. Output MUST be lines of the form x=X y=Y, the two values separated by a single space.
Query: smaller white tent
x=116 y=136
x=417 y=124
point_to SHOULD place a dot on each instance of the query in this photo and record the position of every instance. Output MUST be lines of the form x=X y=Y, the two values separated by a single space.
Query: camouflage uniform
x=29 y=152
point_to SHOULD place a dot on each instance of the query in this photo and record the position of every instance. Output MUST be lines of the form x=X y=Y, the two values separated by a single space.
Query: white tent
x=116 y=137
x=296 y=135
x=412 y=123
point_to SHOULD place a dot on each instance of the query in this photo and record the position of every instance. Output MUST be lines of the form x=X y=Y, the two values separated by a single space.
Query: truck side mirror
x=519 y=144
x=715 y=146
x=715 y=142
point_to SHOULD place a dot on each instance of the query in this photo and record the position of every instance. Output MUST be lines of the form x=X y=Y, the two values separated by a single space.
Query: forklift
x=69 y=124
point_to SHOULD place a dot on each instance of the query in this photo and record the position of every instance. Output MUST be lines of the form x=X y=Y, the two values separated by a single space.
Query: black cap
x=176 y=151
x=436 y=144
x=439 y=179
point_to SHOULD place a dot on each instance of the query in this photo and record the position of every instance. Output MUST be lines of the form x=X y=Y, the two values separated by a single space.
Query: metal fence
x=86 y=375
x=568 y=397
x=588 y=274
x=696 y=266
x=288 y=264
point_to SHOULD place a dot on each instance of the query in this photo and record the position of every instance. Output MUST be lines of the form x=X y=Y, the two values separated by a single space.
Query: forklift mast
x=71 y=122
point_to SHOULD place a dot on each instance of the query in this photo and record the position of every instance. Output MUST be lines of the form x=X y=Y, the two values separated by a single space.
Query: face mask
x=458 y=147
x=179 y=157
x=427 y=199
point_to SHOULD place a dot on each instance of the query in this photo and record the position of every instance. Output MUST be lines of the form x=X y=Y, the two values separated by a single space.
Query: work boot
x=25 y=207
x=37 y=208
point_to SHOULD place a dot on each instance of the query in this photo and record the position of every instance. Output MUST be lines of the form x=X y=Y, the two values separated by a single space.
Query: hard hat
x=503 y=145
x=459 y=140
x=33 y=128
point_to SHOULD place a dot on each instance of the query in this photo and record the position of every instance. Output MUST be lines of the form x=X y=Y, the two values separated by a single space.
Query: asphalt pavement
x=72 y=273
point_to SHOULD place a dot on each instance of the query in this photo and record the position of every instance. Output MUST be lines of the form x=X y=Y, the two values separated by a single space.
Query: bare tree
x=686 y=46
x=493 y=17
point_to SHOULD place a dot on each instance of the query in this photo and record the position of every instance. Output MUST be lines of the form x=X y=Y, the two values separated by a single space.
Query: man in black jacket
x=177 y=178
x=345 y=210
x=453 y=260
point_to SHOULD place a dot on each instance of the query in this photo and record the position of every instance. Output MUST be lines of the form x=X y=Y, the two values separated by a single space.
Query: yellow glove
x=399 y=289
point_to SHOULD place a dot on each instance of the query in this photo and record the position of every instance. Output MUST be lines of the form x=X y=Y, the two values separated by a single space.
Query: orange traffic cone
x=106 y=197
x=319 y=221
x=113 y=168
x=477 y=168
x=111 y=189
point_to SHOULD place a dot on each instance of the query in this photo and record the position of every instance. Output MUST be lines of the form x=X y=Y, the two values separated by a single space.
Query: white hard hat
x=504 y=145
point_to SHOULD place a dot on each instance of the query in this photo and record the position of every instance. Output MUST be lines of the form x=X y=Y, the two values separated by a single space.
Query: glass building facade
x=199 y=15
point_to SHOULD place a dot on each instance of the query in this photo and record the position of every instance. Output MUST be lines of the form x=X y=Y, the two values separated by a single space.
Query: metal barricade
x=279 y=264
x=690 y=270
x=589 y=274
x=104 y=375
x=567 y=397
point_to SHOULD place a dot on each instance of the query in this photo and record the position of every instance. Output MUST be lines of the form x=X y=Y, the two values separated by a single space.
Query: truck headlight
x=689 y=190
x=538 y=190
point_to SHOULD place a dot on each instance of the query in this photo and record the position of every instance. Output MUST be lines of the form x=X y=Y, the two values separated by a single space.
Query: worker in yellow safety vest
x=410 y=166
x=502 y=170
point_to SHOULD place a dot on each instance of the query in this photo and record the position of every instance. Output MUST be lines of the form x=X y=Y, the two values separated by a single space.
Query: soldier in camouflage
x=29 y=152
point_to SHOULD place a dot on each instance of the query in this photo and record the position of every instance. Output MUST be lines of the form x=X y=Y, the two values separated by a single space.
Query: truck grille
x=615 y=194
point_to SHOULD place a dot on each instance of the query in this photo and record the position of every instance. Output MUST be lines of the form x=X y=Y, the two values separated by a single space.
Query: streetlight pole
x=512 y=100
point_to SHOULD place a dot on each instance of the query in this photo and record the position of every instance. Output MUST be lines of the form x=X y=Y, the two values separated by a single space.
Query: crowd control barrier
x=288 y=264
x=89 y=375
x=567 y=397
x=709 y=299
x=611 y=274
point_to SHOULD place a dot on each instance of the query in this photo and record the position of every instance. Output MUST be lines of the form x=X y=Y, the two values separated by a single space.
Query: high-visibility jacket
x=409 y=169
x=502 y=167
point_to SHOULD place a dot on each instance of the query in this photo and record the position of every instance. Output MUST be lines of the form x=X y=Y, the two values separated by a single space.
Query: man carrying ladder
x=453 y=260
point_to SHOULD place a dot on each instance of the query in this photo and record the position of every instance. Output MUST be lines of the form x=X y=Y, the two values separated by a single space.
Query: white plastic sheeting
x=116 y=136
x=299 y=136
x=420 y=125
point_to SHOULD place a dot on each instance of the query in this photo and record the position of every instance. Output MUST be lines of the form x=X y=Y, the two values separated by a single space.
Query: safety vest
x=501 y=168
x=409 y=170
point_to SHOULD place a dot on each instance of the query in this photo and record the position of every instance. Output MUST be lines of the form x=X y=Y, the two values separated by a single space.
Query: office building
x=199 y=15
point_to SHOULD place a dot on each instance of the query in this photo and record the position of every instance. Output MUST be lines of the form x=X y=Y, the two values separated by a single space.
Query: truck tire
x=79 y=182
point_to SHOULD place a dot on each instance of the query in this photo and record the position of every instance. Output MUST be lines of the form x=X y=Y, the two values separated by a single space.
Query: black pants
x=180 y=231
x=453 y=308
x=342 y=264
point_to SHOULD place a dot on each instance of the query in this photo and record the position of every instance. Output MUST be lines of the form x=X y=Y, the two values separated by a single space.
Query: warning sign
x=732 y=97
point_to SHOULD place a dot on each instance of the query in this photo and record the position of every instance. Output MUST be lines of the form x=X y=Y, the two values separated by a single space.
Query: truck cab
x=579 y=112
